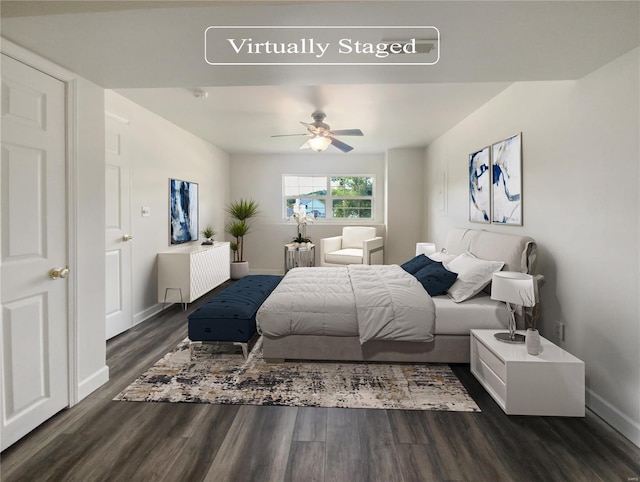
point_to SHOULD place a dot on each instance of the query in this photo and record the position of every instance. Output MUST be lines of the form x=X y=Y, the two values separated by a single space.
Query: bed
x=297 y=322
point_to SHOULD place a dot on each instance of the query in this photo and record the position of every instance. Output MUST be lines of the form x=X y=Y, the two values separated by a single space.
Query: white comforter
x=374 y=302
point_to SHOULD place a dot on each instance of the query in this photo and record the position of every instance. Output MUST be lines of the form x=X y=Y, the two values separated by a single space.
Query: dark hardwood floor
x=103 y=440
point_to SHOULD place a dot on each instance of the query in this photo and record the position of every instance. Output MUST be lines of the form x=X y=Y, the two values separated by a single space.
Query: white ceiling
x=152 y=53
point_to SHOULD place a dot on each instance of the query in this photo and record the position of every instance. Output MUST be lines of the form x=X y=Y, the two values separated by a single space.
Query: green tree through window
x=351 y=197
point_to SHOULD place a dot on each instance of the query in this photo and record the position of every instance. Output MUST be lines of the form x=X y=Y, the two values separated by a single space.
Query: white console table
x=185 y=274
x=551 y=383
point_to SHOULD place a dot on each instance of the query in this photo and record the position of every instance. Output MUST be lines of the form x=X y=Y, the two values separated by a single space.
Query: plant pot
x=532 y=341
x=239 y=269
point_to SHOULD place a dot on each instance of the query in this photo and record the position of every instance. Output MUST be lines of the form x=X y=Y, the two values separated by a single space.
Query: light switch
x=146 y=211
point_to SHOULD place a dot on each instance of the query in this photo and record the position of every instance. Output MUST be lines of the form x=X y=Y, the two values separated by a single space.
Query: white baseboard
x=92 y=383
x=148 y=313
x=614 y=417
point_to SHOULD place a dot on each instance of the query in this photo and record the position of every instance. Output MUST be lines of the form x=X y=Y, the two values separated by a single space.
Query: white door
x=33 y=245
x=119 y=314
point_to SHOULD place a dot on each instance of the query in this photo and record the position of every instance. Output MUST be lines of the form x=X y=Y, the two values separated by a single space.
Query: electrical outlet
x=558 y=331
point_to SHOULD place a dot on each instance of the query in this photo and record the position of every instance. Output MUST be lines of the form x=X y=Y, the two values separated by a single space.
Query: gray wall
x=160 y=150
x=404 y=208
x=90 y=247
x=581 y=204
x=260 y=177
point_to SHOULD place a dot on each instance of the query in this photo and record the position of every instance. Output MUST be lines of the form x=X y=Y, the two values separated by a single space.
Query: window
x=351 y=197
x=330 y=197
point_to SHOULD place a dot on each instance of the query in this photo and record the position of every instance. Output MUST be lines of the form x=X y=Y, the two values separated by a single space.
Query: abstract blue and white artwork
x=479 y=186
x=507 y=181
x=183 y=211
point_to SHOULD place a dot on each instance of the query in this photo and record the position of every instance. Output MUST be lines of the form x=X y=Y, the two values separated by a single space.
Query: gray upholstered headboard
x=517 y=252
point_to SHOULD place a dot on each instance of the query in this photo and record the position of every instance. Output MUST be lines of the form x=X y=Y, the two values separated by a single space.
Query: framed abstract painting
x=480 y=186
x=506 y=167
x=183 y=211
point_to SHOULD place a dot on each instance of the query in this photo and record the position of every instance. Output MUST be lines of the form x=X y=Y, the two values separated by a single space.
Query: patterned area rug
x=219 y=374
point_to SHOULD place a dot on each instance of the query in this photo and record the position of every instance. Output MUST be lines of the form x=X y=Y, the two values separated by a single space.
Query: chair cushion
x=354 y=236
x=344 y=256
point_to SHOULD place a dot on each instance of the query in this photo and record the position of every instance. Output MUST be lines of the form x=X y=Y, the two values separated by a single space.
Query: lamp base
x=506 y=337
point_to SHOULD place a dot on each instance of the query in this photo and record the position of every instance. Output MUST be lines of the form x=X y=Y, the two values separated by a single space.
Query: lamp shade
x=425 y=248
x=514 y=287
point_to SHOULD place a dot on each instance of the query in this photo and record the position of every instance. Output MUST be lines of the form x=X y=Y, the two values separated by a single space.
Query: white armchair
x=357 y=245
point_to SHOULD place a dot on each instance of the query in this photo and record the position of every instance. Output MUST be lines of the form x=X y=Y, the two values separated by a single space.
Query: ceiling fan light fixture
x=321 y=136
x=319 y=143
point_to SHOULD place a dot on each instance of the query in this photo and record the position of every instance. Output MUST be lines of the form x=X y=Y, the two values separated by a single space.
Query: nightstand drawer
x=492 y=382
x=491 y=360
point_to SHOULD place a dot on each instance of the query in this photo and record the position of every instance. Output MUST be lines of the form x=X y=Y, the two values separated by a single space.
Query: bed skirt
x=444 y=349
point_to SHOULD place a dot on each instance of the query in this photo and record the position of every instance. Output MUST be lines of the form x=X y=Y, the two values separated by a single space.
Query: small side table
x=548 y=384
x=299 y=255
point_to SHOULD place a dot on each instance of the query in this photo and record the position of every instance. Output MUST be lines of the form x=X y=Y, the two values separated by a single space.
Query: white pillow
x=473 y=275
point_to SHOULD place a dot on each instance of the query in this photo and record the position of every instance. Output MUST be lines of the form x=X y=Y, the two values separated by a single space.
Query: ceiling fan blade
x=305 y=146
x=288 y=135
x=347 y=132
x=341 y=145
x=313 y=129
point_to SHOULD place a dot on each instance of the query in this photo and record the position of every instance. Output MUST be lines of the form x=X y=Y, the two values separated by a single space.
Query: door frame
x=70 y=81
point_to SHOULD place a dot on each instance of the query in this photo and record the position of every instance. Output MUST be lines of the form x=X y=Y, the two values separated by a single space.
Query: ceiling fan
x=321 y=136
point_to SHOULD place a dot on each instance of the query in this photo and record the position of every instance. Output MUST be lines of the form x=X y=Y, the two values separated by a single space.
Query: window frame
x=329 y=198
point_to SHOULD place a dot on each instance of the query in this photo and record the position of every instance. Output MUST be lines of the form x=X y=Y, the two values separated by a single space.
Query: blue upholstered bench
x=230 y=316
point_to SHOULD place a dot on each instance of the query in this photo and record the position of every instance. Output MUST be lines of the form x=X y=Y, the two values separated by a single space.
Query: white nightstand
x=551 y=383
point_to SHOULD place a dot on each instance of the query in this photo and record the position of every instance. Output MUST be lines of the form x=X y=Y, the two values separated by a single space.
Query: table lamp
x=425 y=248
x=515 y=289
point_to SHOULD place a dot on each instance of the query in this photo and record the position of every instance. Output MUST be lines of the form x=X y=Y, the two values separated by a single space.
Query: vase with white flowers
x=302 y=218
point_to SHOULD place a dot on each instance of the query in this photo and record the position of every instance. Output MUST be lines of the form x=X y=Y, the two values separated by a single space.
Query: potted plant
x=240 y=211
x=302 y=218
x=299 y=240
x=208 y=234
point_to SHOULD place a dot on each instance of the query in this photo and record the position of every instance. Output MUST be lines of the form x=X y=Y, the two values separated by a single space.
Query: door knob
x=127 y=237
x=59 y=273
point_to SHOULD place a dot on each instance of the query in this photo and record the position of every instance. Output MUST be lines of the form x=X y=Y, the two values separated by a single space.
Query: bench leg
x=245 y=348
x=191 y=344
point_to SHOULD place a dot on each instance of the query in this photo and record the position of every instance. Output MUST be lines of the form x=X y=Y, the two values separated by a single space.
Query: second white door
x=119 y=313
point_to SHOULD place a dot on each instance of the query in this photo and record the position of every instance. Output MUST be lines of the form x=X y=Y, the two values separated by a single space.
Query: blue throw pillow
x=416 y=264
x=435 y=278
